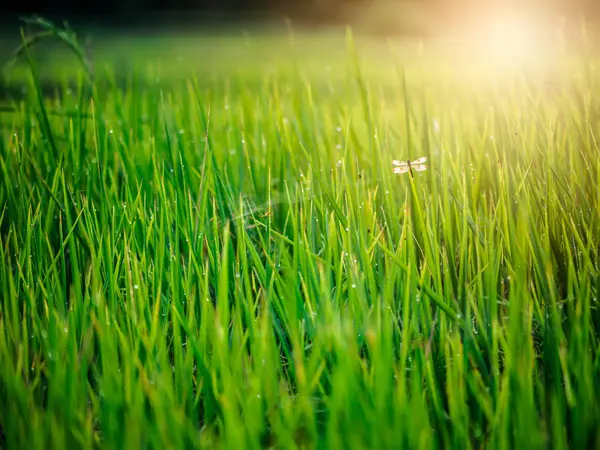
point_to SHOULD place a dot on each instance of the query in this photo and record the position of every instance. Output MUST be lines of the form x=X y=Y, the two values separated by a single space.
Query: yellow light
x=509 y=41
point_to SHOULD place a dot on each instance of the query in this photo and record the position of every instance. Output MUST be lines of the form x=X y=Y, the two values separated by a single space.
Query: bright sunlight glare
x=506 y=41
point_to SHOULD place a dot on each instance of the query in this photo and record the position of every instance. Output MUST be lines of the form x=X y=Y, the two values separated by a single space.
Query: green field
x=203 y=245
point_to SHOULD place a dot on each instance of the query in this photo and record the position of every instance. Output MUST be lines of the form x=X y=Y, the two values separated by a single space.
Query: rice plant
x=224 y=258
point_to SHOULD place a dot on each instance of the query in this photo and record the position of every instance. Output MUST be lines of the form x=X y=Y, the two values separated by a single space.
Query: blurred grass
x=212 y=251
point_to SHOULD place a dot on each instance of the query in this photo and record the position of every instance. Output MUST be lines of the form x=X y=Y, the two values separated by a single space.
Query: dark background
x=141 y=11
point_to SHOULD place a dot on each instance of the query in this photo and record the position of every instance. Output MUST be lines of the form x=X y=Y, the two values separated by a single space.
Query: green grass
x=218 y=255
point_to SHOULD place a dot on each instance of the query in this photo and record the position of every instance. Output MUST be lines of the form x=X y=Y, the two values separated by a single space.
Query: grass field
x=204 y=246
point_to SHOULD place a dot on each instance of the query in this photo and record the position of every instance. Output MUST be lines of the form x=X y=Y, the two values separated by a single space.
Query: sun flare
x=515 y=41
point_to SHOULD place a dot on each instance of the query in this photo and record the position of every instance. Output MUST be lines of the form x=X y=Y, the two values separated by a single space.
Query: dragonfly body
x=418 y=165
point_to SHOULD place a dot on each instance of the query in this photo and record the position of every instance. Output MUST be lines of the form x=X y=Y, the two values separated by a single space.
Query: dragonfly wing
x=399 y=163
x=419 y=167
x=419 y=161
x=402 y=169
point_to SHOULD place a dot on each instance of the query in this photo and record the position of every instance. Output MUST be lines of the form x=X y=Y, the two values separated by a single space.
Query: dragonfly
x=418 y=165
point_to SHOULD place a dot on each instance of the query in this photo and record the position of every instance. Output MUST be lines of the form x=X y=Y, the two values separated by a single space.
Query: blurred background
x=387 y=17
x=163 y=40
